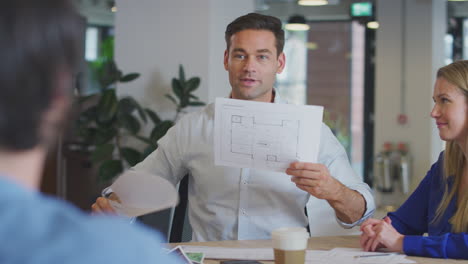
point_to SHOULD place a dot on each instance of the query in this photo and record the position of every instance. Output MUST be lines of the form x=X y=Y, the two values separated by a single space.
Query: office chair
x=180 y=230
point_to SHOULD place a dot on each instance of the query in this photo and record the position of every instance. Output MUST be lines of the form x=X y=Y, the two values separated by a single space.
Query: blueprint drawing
x=265 y=135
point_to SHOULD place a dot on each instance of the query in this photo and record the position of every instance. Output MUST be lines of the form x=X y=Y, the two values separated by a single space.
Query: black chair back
x=180 y=221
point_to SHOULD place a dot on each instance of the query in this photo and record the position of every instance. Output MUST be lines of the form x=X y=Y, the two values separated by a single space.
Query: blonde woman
x=439 y=206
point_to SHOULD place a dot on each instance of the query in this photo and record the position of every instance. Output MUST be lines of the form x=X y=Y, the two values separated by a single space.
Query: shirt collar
x=276 y=98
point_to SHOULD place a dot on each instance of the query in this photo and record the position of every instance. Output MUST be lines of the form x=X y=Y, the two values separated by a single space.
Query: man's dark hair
x=39 y=43
x=257 y=22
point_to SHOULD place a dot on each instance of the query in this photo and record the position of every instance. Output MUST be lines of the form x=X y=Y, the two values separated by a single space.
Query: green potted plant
x=101 y=127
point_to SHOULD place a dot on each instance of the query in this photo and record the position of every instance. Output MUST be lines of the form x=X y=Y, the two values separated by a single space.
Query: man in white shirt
x=230 y=203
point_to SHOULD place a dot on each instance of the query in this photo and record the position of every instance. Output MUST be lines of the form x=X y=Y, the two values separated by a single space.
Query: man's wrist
x=346 y=205
x=339 y=195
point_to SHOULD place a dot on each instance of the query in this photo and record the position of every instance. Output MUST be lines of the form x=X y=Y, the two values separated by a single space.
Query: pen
x=374 y=255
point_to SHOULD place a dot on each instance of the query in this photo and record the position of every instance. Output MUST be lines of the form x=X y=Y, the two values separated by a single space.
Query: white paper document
x=142 y=193
x=232 y=253
x=334 y=256
x=264 y=135
x=357 y=256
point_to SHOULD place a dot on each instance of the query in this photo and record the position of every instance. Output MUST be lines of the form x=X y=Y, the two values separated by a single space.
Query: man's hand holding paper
x=315 y=179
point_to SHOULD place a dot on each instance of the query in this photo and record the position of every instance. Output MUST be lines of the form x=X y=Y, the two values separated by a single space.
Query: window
x=325 y=66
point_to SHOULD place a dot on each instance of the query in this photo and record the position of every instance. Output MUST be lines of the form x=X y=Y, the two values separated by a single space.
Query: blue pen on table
x=374 y=255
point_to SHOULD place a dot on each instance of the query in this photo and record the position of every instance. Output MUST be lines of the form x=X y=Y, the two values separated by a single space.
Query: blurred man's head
x=39 y=51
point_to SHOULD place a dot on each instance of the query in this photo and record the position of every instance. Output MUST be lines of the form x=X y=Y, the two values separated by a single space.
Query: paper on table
x=232 y=253
x=265 y=136
x=241 y=253
x=337 y=255
x=141 y=193
x=349 y=255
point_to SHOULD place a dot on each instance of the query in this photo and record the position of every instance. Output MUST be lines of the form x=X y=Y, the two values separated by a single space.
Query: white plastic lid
x=290 y=238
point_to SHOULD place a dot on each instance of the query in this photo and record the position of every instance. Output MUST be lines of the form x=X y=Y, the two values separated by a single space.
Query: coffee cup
x=289 y=245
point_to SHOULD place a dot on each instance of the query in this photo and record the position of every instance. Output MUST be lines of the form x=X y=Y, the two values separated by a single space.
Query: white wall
x=154 y=36
x=409 y=57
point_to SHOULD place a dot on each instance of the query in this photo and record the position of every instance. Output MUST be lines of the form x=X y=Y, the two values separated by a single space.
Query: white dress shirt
x=227 y=203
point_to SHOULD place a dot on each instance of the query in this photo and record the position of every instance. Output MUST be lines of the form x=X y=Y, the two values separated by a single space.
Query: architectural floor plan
x=264 y=135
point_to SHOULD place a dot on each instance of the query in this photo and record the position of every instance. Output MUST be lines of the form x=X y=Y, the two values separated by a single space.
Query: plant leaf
x=192 y=84
x=153 y=116
x=109 y=169
x=144 y=139
x=119 y=74
x=193 y=96
x=104 y=134
x=181 y=74
x=160 y=130
x=141 y=112
x=184 y=102
x=129 y=77
x=171 y=98
x=87 y=134
x=130 y=123
x=102 y=152
x=177 y=88
x=127 y=105
x=88 y=115
x=196 y=103
x=107 y=106
x=108 y=74
x=148 y=150
x=83 y=99
x=131 y=155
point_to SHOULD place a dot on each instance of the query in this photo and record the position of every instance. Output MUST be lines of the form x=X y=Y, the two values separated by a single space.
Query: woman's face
x=450 y=111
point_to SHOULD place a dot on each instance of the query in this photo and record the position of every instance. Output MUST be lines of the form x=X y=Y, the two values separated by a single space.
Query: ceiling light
x=112 y=6
x=373 y=25
x=297 y=23
x=312 y=2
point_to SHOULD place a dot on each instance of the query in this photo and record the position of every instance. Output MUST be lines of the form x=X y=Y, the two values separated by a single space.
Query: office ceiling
x=98 y=11
x=336 y=10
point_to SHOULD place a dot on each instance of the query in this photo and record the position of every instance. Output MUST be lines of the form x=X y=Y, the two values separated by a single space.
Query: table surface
x=317 y=243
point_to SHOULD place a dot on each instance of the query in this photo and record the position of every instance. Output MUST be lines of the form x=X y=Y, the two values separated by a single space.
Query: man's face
x=252 y=63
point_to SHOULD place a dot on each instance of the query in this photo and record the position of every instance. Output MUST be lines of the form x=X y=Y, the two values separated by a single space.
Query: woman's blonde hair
x=455 y=73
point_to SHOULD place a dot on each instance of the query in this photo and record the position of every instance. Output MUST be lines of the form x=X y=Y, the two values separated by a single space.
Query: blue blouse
x=414 y=218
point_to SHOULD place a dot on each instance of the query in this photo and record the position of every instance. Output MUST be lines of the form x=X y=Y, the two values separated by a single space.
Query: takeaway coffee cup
x=289 y=245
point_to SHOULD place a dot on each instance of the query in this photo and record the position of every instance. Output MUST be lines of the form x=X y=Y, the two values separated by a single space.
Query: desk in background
x=317 y=243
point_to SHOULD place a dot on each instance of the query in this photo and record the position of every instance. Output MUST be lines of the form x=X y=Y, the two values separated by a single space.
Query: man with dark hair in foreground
x=39 y=49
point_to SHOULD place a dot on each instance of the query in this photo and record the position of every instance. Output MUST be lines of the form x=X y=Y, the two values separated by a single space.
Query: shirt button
x=243 y=211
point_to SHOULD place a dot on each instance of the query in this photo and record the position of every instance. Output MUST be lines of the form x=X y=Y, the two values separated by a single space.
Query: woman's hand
x=380 y=233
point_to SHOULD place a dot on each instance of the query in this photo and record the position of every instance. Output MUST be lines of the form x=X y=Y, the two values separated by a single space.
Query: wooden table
x=318 y=243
